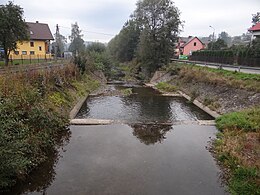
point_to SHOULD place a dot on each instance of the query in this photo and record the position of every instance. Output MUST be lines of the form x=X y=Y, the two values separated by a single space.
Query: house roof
x=39 y=31
x=185 y=39
x=190 y=41
x=256 y=27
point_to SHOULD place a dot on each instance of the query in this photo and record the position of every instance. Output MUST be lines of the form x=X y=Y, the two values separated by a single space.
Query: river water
x=142 y=155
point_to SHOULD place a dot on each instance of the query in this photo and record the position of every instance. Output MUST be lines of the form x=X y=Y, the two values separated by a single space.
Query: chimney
x=37 y=22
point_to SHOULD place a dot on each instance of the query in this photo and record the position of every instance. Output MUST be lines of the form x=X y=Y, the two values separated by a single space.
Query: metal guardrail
x=217 y=64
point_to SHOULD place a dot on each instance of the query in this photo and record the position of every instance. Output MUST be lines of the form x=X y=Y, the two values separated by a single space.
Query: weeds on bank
x=213 y=76
x=247 y=120
x=212 y=103
x=127 y=91
x=237 y=147
x=34 y=110
x=166 y=87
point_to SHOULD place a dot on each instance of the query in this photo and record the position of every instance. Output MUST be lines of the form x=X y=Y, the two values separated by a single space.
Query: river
x=154 y=147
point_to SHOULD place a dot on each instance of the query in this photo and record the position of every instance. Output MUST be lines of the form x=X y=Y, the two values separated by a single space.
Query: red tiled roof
x=255 y=27
x=39 y=31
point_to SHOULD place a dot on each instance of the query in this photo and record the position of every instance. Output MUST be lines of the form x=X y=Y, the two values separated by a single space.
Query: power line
x=106 y=34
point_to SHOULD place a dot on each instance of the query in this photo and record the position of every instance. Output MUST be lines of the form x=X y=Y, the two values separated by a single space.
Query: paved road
x=244 y=69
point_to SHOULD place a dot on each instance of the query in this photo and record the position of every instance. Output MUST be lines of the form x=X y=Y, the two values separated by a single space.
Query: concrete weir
x=109 y=122
x=90 y=122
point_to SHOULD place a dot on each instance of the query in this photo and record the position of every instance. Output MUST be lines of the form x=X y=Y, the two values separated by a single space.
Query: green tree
x=256 y=18
x=225 y=37
x=96 y=47
x=218 y=45
x=77 y=43
x=13 y=28
x=124 y=46
x=159 y=23
x=98 y=58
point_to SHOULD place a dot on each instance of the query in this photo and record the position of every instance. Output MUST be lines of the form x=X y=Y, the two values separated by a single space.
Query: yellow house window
x=24 y=52
x=40 y=48
x=32 y=44
x=32 y=53
x=16 y=52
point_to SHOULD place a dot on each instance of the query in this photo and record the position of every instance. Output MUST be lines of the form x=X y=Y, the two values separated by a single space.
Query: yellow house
x=39 y=45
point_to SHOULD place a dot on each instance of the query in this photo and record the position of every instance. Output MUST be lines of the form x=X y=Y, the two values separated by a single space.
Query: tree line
x=148 y=37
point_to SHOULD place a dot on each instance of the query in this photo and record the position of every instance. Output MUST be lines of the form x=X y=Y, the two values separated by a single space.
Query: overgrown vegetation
x=212 y=76
x=94 y=57
x=34 y=109
x=246 y=121
x=127 y=91
x=238 y=148
x=166 y=87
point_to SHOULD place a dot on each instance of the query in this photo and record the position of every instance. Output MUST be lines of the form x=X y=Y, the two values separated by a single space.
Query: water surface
x=119 y=159
x=145 y=105
x=140 y=157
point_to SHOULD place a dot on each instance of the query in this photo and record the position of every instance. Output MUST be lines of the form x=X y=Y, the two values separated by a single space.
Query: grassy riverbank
x=34 y=109
x=213 y=76
x=237 y=147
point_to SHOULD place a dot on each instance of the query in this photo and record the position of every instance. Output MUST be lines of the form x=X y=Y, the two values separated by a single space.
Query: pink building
x=187 y=45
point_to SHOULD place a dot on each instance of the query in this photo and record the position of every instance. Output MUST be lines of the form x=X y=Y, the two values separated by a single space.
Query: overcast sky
x=108 y=16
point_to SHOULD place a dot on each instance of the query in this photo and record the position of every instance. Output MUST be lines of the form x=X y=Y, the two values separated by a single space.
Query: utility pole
x=56 y=41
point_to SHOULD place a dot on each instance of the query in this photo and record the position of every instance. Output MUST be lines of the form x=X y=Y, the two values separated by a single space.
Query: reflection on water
x=150 y=134
x=131 y=159
x=42 y=177
x=145 y=105
x=110 y=160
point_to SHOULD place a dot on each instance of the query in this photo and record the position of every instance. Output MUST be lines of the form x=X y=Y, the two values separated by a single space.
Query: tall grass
x=34 y=110
x=238 y=149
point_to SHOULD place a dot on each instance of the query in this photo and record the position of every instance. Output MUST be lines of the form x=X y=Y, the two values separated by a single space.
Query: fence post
x=30 y=60
x=38 y=58
x=22 y=58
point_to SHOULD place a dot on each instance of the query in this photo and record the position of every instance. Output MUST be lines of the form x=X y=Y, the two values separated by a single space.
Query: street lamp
x=213 y=37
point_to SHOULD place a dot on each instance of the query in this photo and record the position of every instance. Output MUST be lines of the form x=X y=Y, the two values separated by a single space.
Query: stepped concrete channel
x=143 y=143
x=158 y=75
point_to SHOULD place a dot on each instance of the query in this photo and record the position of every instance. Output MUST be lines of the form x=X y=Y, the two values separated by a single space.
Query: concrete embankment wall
x=96 y=75
x=219 y=98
